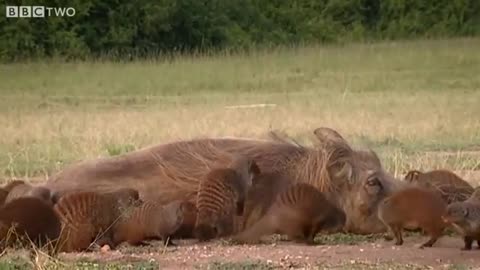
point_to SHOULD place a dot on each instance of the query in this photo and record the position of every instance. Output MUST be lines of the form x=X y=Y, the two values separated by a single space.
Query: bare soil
x=380 y=254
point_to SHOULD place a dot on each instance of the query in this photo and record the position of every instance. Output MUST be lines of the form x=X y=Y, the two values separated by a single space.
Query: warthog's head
x=361 y=180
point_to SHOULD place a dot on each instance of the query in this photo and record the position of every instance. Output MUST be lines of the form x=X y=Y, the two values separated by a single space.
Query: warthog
x=353 y=179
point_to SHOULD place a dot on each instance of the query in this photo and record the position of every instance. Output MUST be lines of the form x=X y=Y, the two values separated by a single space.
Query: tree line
x=122 y=29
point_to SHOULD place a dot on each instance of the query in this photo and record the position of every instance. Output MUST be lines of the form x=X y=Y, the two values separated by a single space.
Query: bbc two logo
x=38 y=11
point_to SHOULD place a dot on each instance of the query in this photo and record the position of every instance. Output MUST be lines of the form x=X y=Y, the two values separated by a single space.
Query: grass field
x=417 y=103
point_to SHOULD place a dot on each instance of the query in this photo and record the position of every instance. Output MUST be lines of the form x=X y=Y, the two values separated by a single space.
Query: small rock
x=105 y=248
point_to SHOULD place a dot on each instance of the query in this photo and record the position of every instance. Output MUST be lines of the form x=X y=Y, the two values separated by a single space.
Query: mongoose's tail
x=265 y=226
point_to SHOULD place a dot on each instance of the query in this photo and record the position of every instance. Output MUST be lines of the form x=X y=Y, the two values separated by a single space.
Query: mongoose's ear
x=412 y=175
x=55 y=196
x=254 y=169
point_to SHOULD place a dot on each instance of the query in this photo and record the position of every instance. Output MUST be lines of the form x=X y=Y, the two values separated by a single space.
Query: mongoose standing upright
x=300 y=211
x=221 y=196
x=89 y=216
x=417 y=207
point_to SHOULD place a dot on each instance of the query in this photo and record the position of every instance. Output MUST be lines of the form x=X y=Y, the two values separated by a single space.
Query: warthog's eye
x=373 y=185
x=373 y=182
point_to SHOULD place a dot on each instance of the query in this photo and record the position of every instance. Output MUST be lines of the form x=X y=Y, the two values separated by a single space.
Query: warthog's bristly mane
x=188 y=161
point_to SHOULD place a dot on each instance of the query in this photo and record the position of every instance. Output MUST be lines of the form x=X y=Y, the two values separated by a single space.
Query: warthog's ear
x=341 y=162
x=341 y=154
x=346 y=172
x=327 y=135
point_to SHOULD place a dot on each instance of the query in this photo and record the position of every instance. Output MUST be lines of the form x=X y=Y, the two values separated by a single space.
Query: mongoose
x=150 y=220
x=19 y=188
x=451 y=187
x=300 y=211
x=32 y=219
x=221 y=196
x=413 y=207
x=88 y=217
x=186 y=230
x=464 y=217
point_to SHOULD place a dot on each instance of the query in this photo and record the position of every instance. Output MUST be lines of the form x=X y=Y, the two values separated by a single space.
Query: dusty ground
x=379 y=254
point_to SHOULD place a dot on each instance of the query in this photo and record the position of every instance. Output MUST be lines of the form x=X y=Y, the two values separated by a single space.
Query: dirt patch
x=189 y=254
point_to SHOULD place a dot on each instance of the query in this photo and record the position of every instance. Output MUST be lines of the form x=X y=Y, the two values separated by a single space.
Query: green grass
x=21 y=263
x=458 y=267
x=14 y=263
x=371 y=266
x=114 y=265
x=403 y=99
x=246 y=265
x=346 y=239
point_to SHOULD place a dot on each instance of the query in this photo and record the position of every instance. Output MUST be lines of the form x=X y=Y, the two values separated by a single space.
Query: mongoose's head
x=180 y=209
x=41 y=193
x=456 y=213
x=335 y=220
x=126 y=197
x=189 y=211
x=173 y=214
x=206 y=229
